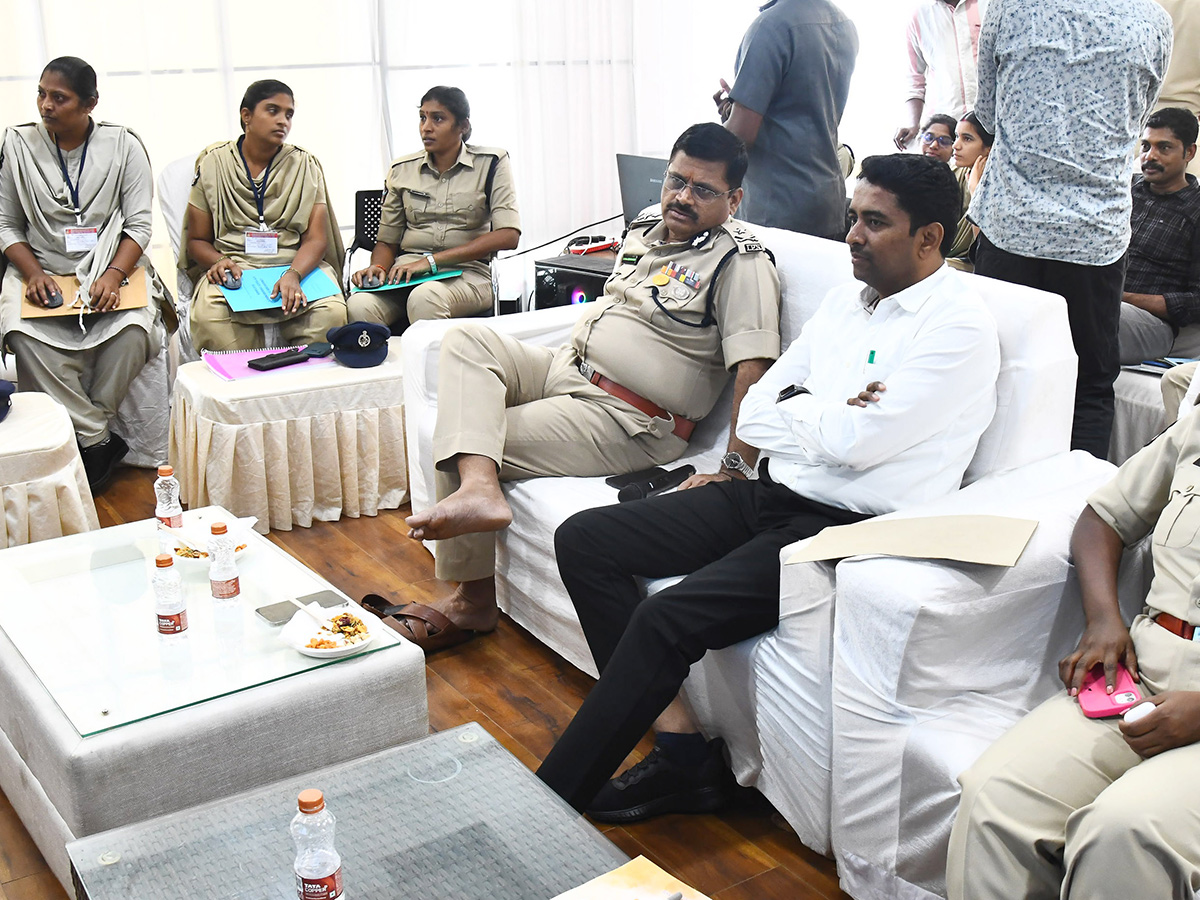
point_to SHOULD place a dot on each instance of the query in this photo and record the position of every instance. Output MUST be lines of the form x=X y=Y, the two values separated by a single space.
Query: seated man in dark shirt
x=1162 y=283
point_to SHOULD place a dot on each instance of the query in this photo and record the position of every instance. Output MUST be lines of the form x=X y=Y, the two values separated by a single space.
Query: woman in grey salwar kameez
x=75 y=199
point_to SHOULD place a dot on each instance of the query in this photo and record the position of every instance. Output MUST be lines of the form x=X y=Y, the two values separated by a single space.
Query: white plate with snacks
x=193 y=548
x=347 y=630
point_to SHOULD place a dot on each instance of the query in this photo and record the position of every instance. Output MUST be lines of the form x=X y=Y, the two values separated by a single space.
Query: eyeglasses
x=928 y=137
x=702 y=194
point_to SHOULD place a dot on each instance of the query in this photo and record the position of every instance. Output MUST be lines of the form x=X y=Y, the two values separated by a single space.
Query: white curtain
x=563 y=85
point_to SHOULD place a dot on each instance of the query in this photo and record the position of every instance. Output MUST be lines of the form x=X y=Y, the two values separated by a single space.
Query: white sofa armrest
x=933 y=660
x=421 y=344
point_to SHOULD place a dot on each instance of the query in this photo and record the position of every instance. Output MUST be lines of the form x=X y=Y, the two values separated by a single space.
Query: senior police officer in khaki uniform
x=693 y=296
x=1064 y=805
x=450 y=206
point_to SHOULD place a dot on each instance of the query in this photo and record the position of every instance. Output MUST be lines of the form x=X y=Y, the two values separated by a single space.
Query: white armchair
x=778 y=699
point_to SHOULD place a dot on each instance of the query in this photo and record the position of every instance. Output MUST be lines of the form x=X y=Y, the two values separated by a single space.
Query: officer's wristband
x=432 y=265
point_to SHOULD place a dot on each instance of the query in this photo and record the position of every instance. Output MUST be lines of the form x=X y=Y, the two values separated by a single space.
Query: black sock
x=683 y=749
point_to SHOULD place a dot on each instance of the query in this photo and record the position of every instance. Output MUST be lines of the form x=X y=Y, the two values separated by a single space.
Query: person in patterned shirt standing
x=1066 y=88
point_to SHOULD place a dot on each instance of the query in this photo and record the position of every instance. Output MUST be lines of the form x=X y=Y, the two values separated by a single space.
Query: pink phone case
x=1097 y=703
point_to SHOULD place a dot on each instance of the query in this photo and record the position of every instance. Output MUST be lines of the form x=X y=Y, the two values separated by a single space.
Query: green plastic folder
x=442 y=274
x=257 y=284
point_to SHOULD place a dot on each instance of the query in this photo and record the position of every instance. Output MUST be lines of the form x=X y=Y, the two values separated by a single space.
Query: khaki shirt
x=425 y=211
x=1159 y=489
x=629 y=338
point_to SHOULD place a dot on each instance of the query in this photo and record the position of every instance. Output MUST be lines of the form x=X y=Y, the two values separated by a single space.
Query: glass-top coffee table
x=87 y=599
x=102 y=726
x=451 y=816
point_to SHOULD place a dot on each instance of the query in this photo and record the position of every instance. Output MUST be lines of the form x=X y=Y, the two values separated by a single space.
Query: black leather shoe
x=100 y=461
x=657 y=785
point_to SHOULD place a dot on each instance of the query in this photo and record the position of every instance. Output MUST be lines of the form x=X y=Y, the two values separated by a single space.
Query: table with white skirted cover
x=43 y=486
x=294 y=444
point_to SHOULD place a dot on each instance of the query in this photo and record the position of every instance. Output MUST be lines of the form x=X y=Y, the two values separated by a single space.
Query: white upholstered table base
x=43 y=487
x=293 y=445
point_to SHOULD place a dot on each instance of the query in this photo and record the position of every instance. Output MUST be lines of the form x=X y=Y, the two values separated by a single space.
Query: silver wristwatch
x=734 y=463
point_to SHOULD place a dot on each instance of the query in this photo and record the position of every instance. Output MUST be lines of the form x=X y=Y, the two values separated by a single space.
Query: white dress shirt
x=943 y=44
x=933 y=345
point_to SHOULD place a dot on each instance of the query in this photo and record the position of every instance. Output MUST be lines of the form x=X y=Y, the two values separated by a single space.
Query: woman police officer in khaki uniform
x=452 y=205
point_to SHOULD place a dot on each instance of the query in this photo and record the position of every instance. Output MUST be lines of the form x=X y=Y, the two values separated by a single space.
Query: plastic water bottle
x=169 y=605
x=166 y=492
x=222 y=568
x=318 y=867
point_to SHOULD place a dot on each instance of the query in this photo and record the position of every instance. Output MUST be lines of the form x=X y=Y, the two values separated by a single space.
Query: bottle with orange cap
x=170 y=607
x=318 y=866
x=166 y=493
x=222 y=568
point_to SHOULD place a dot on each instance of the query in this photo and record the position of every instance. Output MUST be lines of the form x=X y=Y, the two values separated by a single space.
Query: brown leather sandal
x=427 y=628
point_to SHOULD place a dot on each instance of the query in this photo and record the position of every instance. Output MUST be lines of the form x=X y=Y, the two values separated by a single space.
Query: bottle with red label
x=169 y=605
x=318 y=867
x=166 y=494
x=222 y=568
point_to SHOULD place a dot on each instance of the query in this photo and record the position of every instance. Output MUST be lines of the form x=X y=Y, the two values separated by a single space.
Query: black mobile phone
x=280 y=613
x=318 y=349
x=620 y=481
x=277 y=360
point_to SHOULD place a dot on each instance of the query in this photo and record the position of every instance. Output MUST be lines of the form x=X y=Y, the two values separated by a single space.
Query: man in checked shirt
x=1162 y=283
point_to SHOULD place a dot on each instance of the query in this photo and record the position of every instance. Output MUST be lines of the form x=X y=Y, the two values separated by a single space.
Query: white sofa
x=838 y=719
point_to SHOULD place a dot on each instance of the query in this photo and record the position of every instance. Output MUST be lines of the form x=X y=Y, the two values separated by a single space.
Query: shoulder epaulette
x=743 y=237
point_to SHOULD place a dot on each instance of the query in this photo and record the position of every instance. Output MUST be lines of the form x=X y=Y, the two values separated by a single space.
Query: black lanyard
x=260 y=195
x=73 y=188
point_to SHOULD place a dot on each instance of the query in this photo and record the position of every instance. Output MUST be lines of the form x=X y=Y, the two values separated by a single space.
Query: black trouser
x=728 y=536
x=1093 y=295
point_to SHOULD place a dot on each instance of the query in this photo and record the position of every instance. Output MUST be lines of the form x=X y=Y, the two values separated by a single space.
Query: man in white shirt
x=879 y=404
x=943 y=46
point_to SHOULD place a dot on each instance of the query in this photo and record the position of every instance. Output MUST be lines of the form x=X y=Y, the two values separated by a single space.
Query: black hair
x=715 y=143
x=1181 y=123
x=942 y=119
x=984 y=135
x=79 y=75
x=455 y=102
x=924 y=187
x=260 y=91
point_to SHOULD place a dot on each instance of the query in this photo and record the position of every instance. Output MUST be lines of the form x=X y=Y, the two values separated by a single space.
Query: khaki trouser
x=214 y=329
x=1174 y=385
x=467 y=294
x=90 y=383
x=529 y=410
x=1061 y=806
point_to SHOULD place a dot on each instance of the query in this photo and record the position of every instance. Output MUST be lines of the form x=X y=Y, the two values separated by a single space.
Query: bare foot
x=466 y=511
x=472 y=605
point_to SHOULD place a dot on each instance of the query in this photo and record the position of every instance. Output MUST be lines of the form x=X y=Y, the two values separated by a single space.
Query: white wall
x=563 y=85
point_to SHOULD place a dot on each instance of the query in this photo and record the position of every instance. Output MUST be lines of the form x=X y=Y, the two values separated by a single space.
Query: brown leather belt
x=683 y=427
x=1176 y=626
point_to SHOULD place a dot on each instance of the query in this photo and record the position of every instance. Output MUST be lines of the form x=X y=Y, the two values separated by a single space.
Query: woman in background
x=450 y=206
x=75 y=201
x=257 y=203
x=972 y=145
x=937 y=137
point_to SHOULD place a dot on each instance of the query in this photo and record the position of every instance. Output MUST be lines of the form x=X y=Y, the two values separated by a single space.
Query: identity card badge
x=80 y=240
x=262 y=243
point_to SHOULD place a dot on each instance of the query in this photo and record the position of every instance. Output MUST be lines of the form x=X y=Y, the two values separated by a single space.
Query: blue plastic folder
x=442 y=274
x=257 y=284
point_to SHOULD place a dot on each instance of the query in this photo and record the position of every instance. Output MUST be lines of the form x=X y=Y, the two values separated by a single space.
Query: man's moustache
x=1152 y=168
x=682 y=210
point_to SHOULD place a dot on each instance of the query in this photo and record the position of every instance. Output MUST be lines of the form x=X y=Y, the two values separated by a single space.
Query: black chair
x=368 y=205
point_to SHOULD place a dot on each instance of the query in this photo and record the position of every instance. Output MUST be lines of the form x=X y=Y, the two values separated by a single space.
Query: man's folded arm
x=942 y=374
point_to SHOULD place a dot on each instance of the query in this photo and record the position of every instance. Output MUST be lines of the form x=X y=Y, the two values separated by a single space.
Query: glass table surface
x=451 y=816
x=80 y=610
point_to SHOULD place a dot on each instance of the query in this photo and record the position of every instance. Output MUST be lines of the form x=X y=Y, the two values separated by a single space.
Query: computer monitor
x=641 y=179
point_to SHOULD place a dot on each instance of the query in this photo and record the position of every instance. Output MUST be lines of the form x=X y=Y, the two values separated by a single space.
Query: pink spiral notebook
x=231 y=365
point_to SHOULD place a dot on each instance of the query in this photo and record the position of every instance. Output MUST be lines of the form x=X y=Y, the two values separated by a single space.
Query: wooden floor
x=521 y=692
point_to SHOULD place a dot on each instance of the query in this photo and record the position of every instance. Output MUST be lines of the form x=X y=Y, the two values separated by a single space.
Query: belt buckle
x=586 y=370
